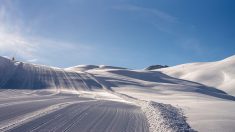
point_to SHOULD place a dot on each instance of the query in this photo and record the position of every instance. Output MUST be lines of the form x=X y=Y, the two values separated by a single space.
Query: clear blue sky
x=128 y=33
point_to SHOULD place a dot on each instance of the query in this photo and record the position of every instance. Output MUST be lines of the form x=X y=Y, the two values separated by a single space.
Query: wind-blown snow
x=19 y=75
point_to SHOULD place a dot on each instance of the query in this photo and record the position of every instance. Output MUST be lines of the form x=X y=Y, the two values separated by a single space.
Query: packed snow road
x=39 y=111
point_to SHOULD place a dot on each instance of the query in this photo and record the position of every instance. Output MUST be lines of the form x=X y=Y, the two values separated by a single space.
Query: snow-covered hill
x=20 y=75
x=155 y=67
x=207 y=108
x=91 y=67
x=219 y=74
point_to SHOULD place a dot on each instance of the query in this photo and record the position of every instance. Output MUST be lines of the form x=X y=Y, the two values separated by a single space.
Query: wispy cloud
x=161 y=15
x=16 y=41
x=161 y=20
x=11 y=40
x=167 y=23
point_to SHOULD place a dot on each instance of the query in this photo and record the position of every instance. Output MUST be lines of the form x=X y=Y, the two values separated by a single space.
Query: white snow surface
x=161 y=117
x=219 y=74
x=50 y=110
x=20 y=75
x=90 y=67
x=206 y=108
x=169 y=100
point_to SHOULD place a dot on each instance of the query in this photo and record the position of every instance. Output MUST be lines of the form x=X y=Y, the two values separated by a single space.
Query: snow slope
x=206 y=108
x=220 y=74
x=43 y=110
x=42 y=98
x=20 y=75
x=168 y=102
x=28 y=113
x=90 y=67
x=115 y=78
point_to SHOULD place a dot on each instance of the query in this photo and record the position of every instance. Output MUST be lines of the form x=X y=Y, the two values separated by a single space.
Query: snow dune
x=220 y=74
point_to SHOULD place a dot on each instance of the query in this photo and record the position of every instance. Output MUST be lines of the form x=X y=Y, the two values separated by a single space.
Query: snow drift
x=220 y=74
x=113 y=79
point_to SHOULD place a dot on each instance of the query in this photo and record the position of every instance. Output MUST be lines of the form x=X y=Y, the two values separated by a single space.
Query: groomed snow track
x=41 y=98
x=40 y=110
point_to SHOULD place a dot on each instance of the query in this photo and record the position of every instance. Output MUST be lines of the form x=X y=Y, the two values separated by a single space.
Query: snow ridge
x=161 y=117
x=165 y=118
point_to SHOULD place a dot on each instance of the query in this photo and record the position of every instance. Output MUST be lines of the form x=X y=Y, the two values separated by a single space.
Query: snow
x=38 y=98
x=40 y=110
x=6 y=126
x=165 y=118
x=161 y=117
x=85 y=68
x=206 y=108
x=220 y=74
x=102 y=95
x=188 y=97
x=19 y=75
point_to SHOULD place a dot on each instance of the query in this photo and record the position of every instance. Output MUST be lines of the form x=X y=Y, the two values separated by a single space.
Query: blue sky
x=128 y=33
